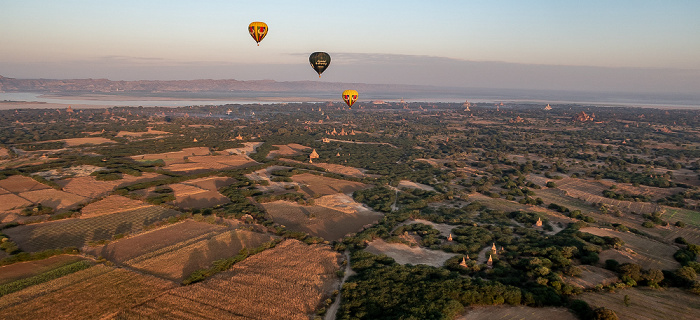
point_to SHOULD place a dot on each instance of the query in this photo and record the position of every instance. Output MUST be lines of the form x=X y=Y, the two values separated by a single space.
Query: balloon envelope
x=350 y=96
x=257 y=30
x=320 y=61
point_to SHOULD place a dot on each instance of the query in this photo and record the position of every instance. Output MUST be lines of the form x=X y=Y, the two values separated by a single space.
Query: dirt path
x=481 y=258
x=333 y=309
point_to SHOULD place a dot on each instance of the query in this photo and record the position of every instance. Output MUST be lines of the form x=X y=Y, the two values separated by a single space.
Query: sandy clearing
x=404 y=254
x=81 y=141
x=415 y=185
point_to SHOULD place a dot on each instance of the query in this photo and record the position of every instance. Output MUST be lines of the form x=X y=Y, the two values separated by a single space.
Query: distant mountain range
x=83 y=86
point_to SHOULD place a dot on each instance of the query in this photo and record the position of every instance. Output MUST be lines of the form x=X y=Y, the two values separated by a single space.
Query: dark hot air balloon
x=320 y=61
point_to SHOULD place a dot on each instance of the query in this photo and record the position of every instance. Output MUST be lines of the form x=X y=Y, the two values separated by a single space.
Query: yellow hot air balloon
x=350 y=96
x=257 y=30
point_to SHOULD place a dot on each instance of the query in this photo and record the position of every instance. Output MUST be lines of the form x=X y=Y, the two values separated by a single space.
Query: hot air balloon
x=320 y=61
x=257 y=30
x=350 y=96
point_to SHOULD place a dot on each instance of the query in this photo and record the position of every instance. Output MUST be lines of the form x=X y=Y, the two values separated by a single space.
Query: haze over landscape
x=596 y=46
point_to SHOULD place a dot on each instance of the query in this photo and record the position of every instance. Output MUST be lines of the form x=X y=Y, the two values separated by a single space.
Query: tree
x=603 y=313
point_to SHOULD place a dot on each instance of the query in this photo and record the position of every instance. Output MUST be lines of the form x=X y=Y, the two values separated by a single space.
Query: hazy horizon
x=596 y=46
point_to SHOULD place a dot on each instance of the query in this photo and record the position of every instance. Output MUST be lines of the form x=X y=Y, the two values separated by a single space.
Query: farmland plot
x=273 y=284
x=174 y=157
x=93 y=293
x=517 y=313
x=321 y=186
x=89 y=187
x=178 y=261
x=645 y=252
x=404 y=254
x=22 y=270
x=18 y=184
x=111 y=204
x=188 y=195
x=129 y=248
x=319 y=221
x=205 y=163
x=78 y=232
x=10 y=201
x=645 y=303
x=53 y=198
x=591 y=276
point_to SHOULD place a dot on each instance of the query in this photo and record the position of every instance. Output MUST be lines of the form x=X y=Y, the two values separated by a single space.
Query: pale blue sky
x=208 y=39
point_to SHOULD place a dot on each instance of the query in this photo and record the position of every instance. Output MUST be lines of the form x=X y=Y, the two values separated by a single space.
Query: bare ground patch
x=315 y=185
x=404 y=254
x=516 y=313
x=415 y=185
x=319 y=221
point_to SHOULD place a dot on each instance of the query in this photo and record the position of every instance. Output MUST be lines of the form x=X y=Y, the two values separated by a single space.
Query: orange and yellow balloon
x=257 y=30
x=350 y=96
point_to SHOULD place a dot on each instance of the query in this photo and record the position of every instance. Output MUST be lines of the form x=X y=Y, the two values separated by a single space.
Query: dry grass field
x=19 y=184
x=645 y=252
x=4 y=152
x=270 y=285
x=78 y=232
x=178 y=261
x=404 y=254
x=200 y=193
x=139 y=134
x=206 y=163
x=174 y=157
x=89 y=187
x=129 y=248
x=516 y=313
x=111 y=204
x=287 y=150
x=314 y=185
x=94 y=293
x=81 y=141
x=22 y=270
x=591 y=276
x=645 y=303
x=53 y=198
x=327 y=223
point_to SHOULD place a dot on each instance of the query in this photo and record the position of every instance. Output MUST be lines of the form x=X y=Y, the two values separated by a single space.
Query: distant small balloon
x=257 y=30
x=320 y=61
x=350 y=96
